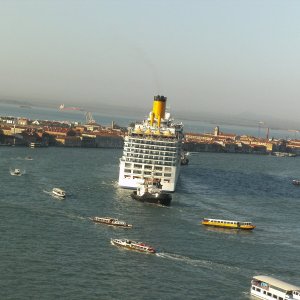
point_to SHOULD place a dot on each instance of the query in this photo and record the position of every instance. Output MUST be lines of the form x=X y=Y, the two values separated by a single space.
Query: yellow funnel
x=159 y=108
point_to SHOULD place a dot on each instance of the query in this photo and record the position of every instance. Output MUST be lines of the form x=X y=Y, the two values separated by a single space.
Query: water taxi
x=110 y=221
x=59 y=192
x=266 y=287
x=228 y=224
x=133 y=245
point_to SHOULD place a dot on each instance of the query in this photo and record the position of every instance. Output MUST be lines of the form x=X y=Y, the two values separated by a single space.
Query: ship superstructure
x=152 y=149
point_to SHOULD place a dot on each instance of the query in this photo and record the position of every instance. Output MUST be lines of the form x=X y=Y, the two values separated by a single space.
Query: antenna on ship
x=89 y=118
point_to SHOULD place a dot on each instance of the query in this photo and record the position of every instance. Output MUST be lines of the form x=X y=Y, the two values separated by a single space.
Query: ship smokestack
x=159 y=109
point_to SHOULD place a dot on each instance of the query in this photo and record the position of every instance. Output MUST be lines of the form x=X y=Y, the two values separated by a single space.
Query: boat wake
x=51 y=194
x=76 y=217
x=115 y=184
x=196 y=262
x=110 y=183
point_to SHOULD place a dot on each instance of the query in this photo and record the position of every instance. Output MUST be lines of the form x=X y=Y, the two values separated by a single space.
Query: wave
x=110 y=183
x=74 y=216
x=195 y=262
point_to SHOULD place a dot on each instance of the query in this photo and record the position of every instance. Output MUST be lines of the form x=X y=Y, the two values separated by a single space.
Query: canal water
x=51 y=250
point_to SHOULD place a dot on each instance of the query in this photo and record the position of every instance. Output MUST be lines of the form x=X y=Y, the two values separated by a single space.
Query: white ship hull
x=132 y=183
x=152 y=149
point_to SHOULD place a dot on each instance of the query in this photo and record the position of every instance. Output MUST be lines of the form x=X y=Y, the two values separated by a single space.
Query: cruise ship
x=152 y=150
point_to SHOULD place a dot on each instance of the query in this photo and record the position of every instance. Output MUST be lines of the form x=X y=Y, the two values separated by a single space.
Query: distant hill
x=248 y=119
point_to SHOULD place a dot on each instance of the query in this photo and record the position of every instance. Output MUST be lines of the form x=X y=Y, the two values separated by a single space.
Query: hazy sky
x=204 y=55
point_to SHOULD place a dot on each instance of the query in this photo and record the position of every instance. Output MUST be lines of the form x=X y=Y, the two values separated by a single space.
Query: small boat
x=35 y=145
x=59 y=192
x=151 y=192
x=28 y=158
x=283 y=154
x=266 y=287
x=296 y=182
x=133 y=245
x=184 y=160
x=111 y=221
x=16 y=172
x=228 y=224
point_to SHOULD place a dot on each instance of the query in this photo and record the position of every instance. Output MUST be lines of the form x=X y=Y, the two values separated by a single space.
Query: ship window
x=269 y=294
x=258 y=289
x=127 y=165
x=167 y=174
x=274 y=296
x=253 y=288
x=127 y=171
x=167 y=169
x=265 y=292
x=280 y=298
x=157 y=174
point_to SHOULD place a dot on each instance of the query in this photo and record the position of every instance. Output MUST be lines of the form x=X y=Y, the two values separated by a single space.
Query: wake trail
x=207 y=264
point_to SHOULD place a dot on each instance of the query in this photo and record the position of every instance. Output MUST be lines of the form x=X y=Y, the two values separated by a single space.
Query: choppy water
x=50 y=250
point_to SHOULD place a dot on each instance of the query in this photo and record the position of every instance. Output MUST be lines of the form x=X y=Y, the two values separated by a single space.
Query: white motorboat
x=296 y=182
x=16 y=172
x=59 y=192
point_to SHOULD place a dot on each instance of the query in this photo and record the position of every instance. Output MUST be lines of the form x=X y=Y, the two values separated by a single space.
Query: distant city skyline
x=208 y=57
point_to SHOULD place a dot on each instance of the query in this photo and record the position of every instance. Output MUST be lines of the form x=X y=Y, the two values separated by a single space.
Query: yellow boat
x=228 y=224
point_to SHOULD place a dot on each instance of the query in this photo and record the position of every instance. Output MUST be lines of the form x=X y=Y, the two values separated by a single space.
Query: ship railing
x=152 y=141
x=150 y=151
x=141 y=160
x=156 y=147
x=160 y=153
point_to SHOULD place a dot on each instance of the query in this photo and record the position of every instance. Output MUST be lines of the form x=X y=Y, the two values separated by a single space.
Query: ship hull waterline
x=162 y=198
